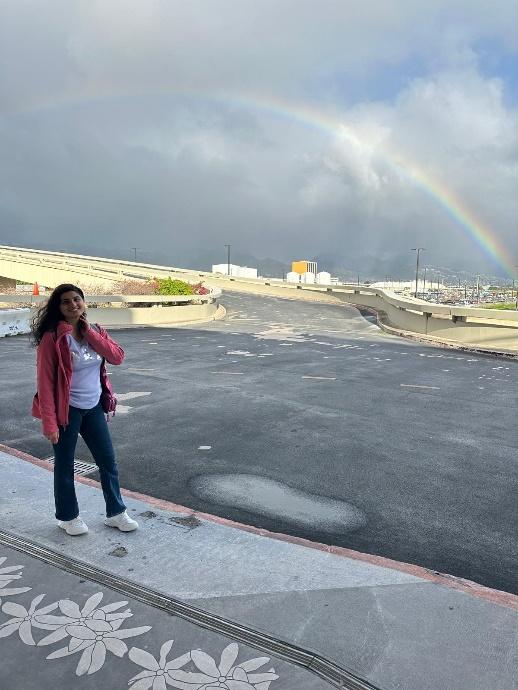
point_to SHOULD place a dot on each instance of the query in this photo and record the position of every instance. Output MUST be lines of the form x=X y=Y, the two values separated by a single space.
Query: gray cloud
x=127 y=124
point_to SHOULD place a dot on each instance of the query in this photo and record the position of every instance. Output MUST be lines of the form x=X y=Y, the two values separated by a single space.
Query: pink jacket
x=54 y=372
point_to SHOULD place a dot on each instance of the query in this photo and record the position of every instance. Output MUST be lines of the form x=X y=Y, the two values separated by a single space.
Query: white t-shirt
x=85 y=387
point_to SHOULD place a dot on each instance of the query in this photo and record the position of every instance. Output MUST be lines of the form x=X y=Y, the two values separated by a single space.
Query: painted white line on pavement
x=321 y=378
x=204 y=447
x=229 y=373
x=132 y=394
x=415 y=385
x=123 y=409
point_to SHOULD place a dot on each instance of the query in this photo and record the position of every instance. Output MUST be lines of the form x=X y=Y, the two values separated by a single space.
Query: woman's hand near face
x=53 y=438
x=83 y=324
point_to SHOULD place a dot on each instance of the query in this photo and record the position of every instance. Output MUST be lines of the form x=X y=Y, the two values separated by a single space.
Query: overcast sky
x=273 y=125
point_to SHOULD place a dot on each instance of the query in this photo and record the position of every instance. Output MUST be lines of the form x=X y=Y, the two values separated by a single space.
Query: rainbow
x=487 y=241
x=331 y=125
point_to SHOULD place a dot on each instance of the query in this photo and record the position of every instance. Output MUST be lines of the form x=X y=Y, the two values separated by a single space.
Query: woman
x=71 y=376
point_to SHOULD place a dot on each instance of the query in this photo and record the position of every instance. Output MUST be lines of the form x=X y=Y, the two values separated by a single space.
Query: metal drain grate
x=81 y=468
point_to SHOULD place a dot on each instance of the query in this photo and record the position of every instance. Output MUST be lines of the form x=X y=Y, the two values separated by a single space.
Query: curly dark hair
x=49 y=314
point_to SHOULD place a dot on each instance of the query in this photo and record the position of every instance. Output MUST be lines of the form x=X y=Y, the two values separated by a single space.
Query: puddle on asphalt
x=274 y=499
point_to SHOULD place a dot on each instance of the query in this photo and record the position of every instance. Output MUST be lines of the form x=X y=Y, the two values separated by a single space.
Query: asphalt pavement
x=305 y=419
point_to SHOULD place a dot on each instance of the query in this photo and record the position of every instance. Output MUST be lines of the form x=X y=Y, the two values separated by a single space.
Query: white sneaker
x=73 y=527
x=122 y=521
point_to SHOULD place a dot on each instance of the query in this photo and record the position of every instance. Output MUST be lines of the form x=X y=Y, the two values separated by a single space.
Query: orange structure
x=35 y=289
x=304 y=266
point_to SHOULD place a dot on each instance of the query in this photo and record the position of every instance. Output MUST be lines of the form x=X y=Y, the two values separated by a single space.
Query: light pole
x=228 y=258
x=135 y=250
x=424 y=281
x=418 y=250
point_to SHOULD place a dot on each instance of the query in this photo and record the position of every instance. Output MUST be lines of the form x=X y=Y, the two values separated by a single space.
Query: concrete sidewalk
x=236 y=601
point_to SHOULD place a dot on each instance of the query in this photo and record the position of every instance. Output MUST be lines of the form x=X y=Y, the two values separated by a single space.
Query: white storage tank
x=292 y=277
x=308 y=278
x=324 y=278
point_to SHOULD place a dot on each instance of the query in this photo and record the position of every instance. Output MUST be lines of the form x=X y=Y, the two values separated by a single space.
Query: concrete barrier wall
x=16 y=321
x=152 y=316
x=497 y=331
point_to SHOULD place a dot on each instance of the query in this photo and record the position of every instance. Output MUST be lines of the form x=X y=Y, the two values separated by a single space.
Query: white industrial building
x=236 y=271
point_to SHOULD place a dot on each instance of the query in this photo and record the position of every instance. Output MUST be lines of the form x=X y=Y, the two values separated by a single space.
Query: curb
x=494 y=596
x=218 y=315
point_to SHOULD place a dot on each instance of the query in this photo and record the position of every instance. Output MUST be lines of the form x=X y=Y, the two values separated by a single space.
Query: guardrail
x=456 y=313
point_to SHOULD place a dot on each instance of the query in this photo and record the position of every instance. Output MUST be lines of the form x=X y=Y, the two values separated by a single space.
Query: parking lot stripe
x=230 y=373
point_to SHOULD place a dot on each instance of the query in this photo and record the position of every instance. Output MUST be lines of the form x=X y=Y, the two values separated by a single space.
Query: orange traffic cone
x=35 y=289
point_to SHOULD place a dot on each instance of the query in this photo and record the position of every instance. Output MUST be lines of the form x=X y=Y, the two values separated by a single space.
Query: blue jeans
x=92 y=426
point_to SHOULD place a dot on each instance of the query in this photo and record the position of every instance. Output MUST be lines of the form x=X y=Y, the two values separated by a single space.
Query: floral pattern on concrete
x=156 y=673
x=208 y=675
x=95 y=618
x=95 y=630
x=8 y=575
x=94 y=639
x=24 y=620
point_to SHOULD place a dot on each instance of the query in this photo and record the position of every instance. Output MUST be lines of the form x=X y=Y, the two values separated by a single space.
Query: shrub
x=200 y=289
x=168 y=286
